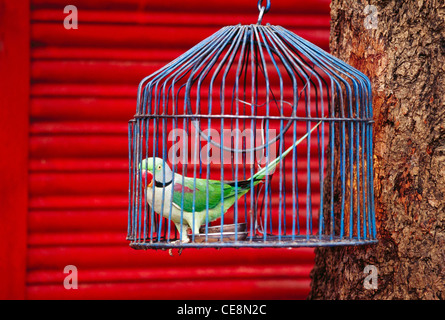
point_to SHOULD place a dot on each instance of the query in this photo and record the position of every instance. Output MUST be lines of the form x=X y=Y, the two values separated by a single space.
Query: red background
x=65 y=99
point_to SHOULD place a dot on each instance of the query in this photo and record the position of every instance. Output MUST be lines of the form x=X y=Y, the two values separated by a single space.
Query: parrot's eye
x=159 y=167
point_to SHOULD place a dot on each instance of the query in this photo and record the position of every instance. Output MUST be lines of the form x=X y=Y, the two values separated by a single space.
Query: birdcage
x=255 y=137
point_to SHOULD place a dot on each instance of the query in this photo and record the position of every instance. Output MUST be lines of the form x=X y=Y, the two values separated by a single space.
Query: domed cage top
x=255 y=137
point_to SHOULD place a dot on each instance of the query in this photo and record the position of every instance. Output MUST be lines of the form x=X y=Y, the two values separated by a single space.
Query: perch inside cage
x=253 y=138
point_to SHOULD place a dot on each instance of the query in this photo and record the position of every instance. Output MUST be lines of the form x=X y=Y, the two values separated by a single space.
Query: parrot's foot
x=178 y=242
x=170 y=251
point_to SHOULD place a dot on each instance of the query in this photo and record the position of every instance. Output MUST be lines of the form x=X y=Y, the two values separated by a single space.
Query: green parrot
x=190 y=194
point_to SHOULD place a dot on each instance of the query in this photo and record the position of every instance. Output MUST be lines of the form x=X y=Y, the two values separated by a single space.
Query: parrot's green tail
x=271 y=166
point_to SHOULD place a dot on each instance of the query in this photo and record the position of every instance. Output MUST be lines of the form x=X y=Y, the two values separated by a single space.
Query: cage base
x=257 y=242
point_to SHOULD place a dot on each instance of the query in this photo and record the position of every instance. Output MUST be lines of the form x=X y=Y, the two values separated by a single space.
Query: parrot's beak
x=149 y=176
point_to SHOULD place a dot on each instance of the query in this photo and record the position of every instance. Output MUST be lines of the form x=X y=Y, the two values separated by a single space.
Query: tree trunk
x=404 y=57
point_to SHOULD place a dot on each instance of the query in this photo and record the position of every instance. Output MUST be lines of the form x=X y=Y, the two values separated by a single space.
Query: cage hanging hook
x=260 y=17
x=262 y=9
x=266 y=8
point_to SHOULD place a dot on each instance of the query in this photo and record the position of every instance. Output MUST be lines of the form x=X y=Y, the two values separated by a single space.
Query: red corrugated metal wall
x=82 y=93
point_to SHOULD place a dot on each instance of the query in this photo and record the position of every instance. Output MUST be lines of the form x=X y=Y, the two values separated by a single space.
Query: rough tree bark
x=404 y=57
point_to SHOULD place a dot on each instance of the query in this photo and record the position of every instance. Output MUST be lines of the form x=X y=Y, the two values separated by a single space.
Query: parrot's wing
x=187 y=186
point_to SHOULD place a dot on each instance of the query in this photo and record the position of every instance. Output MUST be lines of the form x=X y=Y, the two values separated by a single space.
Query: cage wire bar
x=227 y=110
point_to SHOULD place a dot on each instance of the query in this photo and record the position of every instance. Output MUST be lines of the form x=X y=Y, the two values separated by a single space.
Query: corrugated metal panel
x=83 y=92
